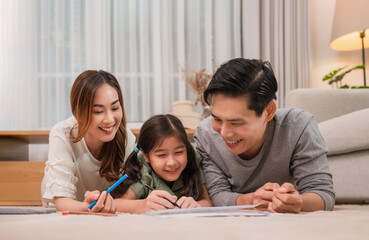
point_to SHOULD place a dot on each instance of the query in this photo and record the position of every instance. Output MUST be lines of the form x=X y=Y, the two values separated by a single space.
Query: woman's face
x=169 y=159
x=106 y=117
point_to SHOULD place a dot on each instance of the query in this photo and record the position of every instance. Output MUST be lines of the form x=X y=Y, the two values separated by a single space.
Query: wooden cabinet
x=27 y=136
x=20 y=183
x=15 y=145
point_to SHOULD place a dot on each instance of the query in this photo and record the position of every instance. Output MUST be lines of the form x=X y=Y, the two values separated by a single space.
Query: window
x=45 y=45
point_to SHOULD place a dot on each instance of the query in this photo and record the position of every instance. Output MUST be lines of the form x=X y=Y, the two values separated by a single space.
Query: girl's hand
x=105 y=202
x=188 y=202
x=158 y=200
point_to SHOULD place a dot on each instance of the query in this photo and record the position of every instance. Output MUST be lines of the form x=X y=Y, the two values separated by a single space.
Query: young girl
x=87 y=151
x=168 y=164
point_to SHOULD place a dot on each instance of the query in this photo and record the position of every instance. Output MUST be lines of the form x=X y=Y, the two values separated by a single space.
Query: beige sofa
x=343 y=119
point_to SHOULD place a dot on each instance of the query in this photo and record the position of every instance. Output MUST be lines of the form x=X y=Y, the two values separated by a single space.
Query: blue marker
x=110 y=189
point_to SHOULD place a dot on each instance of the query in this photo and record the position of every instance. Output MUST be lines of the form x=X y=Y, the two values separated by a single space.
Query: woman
x=87 y=151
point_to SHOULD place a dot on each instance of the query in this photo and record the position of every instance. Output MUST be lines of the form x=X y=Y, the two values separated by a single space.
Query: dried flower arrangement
x=198 y=81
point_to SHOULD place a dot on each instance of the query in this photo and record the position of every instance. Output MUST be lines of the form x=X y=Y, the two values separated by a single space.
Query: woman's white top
x=71 y=170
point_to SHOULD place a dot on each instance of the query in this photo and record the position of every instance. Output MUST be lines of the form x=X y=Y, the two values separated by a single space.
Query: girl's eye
x=179 y=153
x=115 y=109
x=97 y=112
x=161 y=155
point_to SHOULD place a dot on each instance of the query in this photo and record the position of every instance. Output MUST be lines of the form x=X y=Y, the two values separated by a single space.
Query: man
x=255 y=154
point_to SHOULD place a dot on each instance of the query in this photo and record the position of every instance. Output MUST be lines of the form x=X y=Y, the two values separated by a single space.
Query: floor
x=345 y=222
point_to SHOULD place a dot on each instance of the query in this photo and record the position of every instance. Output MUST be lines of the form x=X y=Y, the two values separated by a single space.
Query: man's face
x=241 y=129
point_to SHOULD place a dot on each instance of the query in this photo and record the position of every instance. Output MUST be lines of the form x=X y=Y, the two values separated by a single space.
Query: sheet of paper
x=25 y=210
x=243 y=210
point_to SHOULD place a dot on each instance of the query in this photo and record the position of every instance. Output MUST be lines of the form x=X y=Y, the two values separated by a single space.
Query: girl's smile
x=174 y=171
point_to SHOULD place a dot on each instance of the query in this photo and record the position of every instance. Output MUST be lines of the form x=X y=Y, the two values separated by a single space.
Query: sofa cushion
x=347 y=133
x=326 y=104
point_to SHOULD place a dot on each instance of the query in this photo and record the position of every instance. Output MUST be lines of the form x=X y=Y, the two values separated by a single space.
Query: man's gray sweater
x=294 y=151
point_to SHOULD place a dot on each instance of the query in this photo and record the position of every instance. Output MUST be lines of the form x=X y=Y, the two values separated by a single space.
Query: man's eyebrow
x=229 y=120
x=99 y=105
x=235 y=120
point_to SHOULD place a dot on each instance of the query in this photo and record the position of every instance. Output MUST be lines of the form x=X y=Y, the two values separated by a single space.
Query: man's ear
x=146 y=157
x=271 y=109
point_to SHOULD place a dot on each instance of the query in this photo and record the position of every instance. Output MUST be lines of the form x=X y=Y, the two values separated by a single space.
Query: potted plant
x=335 y=77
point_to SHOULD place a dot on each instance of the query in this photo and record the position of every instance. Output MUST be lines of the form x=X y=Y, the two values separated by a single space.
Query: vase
x=183 y=110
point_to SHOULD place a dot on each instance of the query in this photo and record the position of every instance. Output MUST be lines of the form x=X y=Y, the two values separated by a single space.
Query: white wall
x=324 y=59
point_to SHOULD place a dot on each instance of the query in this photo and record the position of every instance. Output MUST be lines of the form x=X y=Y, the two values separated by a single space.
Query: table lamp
x=351 y=27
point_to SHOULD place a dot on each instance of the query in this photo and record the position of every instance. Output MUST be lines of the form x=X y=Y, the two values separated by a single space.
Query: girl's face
x=106 y=117
x=169 y=159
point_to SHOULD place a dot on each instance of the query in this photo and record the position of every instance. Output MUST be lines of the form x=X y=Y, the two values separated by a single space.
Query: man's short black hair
x=251 y=78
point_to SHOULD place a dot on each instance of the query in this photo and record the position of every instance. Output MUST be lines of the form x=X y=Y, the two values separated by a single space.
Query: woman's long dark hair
x=153 y=133
x=81 y=99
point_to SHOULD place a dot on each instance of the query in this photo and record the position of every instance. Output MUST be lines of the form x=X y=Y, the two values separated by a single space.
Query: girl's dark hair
x=251 y=78
x=153 y=133
x=82 y=100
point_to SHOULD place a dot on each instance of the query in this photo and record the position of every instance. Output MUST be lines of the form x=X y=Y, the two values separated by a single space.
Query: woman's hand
x=188 y=202
x=105 y=202
x=158 y=200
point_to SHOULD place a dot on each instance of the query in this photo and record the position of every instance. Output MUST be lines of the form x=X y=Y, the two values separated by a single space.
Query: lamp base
x=362 y=36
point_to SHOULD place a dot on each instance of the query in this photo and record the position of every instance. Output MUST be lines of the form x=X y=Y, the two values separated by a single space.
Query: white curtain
x=17 y=64
x=45 y=44
x=42 y=50
x=280 y=33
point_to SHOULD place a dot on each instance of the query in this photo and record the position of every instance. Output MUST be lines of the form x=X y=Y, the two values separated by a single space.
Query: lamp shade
x=350 y=18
